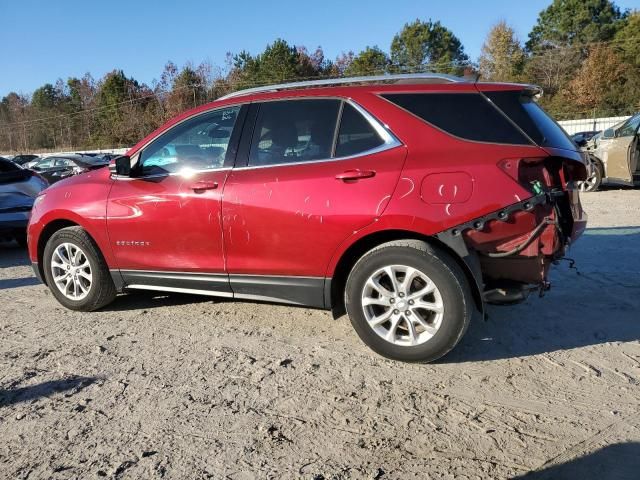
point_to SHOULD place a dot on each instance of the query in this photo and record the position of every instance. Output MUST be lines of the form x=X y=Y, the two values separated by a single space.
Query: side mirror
x=121 y=166
x=609 y=133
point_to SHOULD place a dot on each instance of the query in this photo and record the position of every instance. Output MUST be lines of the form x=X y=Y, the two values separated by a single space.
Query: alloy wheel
x=71 y=271
x=402 y=305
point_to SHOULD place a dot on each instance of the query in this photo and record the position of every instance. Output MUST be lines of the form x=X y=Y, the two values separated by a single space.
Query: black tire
x=442 y=269
x=102 y=290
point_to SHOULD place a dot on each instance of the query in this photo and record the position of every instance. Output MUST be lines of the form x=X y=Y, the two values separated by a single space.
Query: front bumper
x=36 y=271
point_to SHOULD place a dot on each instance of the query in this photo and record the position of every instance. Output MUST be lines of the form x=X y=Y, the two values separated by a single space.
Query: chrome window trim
x=171 y=174
x=196 y=291
x=389 y=139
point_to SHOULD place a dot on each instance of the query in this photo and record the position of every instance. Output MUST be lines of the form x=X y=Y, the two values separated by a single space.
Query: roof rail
x=397 y=78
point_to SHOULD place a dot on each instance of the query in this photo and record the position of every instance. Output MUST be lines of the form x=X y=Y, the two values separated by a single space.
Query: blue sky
x=41 y=41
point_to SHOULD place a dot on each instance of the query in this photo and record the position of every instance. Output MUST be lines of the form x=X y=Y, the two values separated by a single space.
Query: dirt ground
x=176 y=387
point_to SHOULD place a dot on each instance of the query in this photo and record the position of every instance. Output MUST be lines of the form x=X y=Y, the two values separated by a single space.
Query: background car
x=56 y=168
x=615 y=156
x=18 y=189
x=24 y=158
x=581 y=138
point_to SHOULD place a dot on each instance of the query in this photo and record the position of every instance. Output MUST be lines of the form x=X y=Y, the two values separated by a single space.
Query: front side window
x=630 y=127
x=294 y=131
x=199 y=143
x=46 y=163
x=63 y=162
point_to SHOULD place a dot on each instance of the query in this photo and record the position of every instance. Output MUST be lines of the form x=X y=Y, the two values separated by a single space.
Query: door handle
x=200 y=187
x=355 y=175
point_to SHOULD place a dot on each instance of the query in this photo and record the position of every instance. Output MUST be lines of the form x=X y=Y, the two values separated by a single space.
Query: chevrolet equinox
x=405 y=201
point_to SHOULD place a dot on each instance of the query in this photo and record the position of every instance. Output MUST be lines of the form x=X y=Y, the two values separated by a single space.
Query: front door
x=622 y=151
x=303 y=188
x=164 y=221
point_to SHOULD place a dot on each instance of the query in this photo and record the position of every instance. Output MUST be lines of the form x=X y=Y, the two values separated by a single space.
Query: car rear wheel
x=408 y=301
x=76 y=272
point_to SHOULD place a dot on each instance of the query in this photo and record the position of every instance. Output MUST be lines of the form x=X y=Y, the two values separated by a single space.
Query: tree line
x=584 y=53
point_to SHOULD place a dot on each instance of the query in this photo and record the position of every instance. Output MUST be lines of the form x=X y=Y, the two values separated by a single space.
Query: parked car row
x=57 y=167
x=23 y=177
x=18 y=190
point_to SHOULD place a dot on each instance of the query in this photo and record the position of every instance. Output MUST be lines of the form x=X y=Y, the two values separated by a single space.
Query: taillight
x=548 y=172
x=531 y=173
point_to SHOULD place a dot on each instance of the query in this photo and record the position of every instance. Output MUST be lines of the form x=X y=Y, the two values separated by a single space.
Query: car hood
x=92 y=176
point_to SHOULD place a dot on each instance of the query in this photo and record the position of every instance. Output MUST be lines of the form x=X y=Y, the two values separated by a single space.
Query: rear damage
x=511 y=250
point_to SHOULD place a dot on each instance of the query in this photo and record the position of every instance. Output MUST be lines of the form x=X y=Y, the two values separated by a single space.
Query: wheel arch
x=334 y=290
x=48 y=230
x=601 y=165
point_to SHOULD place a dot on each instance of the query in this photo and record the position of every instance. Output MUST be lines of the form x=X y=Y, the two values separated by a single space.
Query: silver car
x=615 y=156
x=18 y=189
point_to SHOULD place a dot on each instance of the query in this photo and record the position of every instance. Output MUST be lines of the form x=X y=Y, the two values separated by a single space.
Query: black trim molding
x=307 y=291
x=304 y=291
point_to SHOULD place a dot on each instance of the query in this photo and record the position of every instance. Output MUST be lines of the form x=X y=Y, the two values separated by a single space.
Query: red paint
x=300 y=219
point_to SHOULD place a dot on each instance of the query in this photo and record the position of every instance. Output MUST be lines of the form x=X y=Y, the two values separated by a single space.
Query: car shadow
x=595 y=302
x=7 y=283
x=13 y=255
x=144 y=300
x=620 y=461
x=12 y=396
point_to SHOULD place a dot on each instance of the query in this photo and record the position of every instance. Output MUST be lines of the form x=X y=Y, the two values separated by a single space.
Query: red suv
x=406 y=201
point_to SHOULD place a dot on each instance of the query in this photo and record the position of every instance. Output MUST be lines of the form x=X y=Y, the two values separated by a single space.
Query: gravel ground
x=175 y=386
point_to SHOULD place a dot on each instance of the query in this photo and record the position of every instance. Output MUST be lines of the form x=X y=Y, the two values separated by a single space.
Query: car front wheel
x=76 y=272
x=593 y=181
x=408 y=301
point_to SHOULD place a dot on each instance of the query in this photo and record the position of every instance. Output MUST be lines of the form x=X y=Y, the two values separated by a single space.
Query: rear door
x=309 y=174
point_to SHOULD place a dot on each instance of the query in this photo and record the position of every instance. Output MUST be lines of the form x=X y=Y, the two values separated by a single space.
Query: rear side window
x=532 y=119
x=465 y=115
x=293 y=131
x=356 y=134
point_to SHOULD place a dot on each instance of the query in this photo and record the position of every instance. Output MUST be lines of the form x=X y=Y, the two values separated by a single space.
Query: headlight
x=39 y=199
